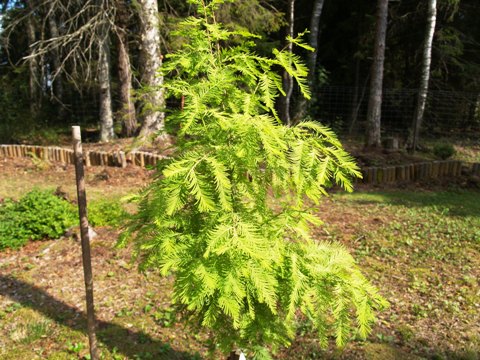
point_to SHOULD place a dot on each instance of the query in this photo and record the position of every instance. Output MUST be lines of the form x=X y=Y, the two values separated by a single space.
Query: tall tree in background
x=33 y=62
x=285 y=100
x=314 y=32
x=127 y=106
x=153 y=101
x=425 y=77
x=106 y=115
x=313 y=40
x=374 y=112
x=57 y=90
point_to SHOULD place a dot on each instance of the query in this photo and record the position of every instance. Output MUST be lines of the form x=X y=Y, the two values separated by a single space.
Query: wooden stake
x=393 y=174
x=380 y=175
x=367 y=178
x=105 y=158
x=429 y=170
x=399 y=173
x=71 y=157
x=441 y=169
x=458 y=167
x=86 y=257
x=475 y=168
x=110 y=159
x=123 y=159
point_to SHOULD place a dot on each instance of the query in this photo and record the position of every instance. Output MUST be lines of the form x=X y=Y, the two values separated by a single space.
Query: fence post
x=85 y=237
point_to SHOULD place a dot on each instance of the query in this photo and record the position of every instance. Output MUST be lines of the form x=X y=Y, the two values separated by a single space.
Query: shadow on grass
x=461 y=203
x=116 y=338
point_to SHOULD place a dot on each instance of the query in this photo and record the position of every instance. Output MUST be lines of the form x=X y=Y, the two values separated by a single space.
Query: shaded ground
x=420 y=247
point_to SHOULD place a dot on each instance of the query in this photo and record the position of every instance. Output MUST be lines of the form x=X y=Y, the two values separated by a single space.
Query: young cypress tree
x=229 y=214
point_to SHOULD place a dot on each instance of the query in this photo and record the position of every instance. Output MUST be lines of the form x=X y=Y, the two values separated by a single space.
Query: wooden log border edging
x=91 y=157
x=418 y=171
x=371 y=175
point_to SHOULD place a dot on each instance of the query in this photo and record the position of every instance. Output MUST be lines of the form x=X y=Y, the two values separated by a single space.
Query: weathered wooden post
x=123 y=159
x=85 y=238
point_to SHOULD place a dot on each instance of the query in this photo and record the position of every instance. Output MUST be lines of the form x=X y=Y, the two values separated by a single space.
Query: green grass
x=424 y=225
x=460 y=203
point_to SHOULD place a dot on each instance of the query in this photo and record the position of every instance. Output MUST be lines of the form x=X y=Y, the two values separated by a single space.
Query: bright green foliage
x=36 y=216
x=105 y=213
x=229 y=215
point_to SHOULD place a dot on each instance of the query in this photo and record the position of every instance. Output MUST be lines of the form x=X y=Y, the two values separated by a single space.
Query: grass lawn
x=420 y=247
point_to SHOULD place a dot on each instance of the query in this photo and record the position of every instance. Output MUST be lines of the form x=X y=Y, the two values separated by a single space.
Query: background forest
x=84 y=62
x=221 y=155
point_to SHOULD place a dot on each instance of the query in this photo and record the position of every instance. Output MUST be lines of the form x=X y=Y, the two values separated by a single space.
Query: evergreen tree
x=229 y=214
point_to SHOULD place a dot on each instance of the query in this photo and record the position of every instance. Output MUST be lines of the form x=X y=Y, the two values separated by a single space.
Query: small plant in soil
x=229 y=215
x=37 y=215
x=443 y=151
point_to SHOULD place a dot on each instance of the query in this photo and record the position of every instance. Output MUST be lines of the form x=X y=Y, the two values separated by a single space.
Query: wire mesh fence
x=345 y=109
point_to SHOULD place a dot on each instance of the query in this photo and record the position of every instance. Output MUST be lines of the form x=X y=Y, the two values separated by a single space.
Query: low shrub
x=105 y=213
x=36 y=216
x=443 y=151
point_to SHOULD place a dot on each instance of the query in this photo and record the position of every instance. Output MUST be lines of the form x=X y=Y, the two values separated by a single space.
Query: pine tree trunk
x=426 y=61
x=374 y=112
x=106 y=116
x=151 y=58
x=127 y=106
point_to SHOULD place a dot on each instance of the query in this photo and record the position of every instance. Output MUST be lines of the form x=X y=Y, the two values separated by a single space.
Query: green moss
x=374 y=351
x=406 y=332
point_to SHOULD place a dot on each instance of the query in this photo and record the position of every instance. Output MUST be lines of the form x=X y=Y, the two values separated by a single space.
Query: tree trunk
x=313 y=41
x=34 y=80
x=426 y=61
x=127 y=106
x=151 y=58
x=375 y=100
x=106 y=116
x=287 y=78
x=477 y=109
x=303 y=104
x=56 y=71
